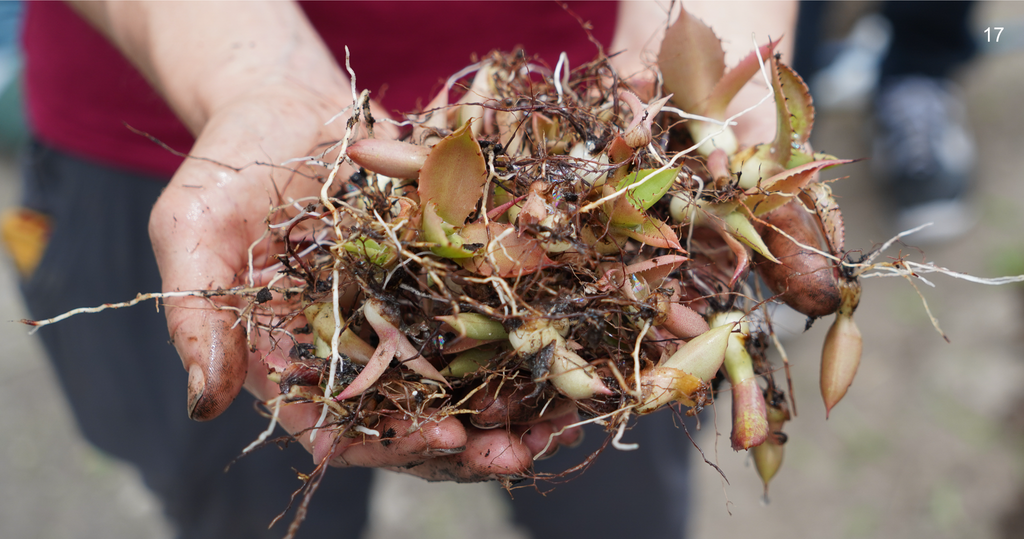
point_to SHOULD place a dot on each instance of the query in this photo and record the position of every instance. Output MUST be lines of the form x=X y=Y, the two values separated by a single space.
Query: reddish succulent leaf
x=657 y=269
x=389 y=157
x=618 y=153
x=781 y=188
x=453 y=176
x=741 y=254
x=734 y=79
x=829 y=215
x=799 y=102
x=782 y=146
x=691 y=62
x=514 y=256
x=651 y=232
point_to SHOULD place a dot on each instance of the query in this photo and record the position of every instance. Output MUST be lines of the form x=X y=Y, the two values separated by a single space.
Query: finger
x=401 y=443
x=544 y=439
x=196 y=250
x=489 y=455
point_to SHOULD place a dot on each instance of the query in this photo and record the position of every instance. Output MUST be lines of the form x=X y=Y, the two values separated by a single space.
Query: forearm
x=201 y=56
x=641 y=25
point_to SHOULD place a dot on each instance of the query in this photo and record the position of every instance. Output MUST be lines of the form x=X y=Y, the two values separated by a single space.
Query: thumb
x=196 y=250
x=214 y=354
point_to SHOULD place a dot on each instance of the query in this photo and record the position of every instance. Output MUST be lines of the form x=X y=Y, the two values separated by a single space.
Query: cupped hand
x=202 y=228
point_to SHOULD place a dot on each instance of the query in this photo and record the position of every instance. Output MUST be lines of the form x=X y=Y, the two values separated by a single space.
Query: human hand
x=202 y=228
x=641 y=27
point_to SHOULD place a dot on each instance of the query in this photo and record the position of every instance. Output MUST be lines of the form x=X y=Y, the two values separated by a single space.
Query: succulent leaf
x=651 y=232
x=447 y=243
x=453 y=176
x=391 y=158
x=782 y=146
x=782 y=187
x=799 y=103
x=692 y=61
x=475 y=326
x=730 y=84
x=511 y=256
x=739 y=226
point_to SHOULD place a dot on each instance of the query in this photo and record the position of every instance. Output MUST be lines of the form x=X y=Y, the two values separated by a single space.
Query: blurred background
x=929 y=442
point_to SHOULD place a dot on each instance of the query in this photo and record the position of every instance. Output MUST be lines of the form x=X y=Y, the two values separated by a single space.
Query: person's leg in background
x=622 y=494
x=124 y=381
x=923 y=145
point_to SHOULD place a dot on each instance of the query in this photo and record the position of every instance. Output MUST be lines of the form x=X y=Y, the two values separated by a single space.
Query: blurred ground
x=929 y=443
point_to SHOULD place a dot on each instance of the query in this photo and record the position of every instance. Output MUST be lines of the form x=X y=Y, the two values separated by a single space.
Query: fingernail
x=196 y=388
x=441 y=452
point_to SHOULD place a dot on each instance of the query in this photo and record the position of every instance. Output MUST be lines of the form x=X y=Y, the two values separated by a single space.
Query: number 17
x=988 y=33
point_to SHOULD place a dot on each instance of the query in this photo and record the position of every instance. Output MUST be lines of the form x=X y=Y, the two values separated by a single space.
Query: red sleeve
x=81 y=93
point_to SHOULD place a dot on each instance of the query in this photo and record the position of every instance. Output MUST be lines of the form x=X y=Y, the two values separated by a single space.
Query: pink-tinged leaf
x=436 y=118
x=454 y=175
x=782 y=187
x=389 y=157
x=731 y=83
x=829 y=215
x=511 y=256
x=393 y=345
x=657 y=269
x=739 y=250
x=638 y=132
x=749 y=415
x=618 y=153
x=651 y=232
x=691 y=61
x=718 y=167
x=535 y=209
x=782 y=146
x=684 y=322
x=799 y=102
x=373 y=370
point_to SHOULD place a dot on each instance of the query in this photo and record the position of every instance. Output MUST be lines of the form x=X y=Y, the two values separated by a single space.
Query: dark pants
x=126 y=386
x=928 y=38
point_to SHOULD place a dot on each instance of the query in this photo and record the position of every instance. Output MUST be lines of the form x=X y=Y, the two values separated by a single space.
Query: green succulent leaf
x=782 y=146
x=371 y=250
x=738 y=225
x=643 y=196
x=475 y=326
x=448 y=244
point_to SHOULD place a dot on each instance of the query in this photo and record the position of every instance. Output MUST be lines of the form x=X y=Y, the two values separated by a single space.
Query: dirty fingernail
x=441 y=452
x=196 y=388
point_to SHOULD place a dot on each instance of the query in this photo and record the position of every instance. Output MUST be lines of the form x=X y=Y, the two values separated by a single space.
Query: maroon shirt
x=81 y=93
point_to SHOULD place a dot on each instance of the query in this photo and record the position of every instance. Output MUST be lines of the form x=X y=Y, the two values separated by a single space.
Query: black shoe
x=924 y=155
